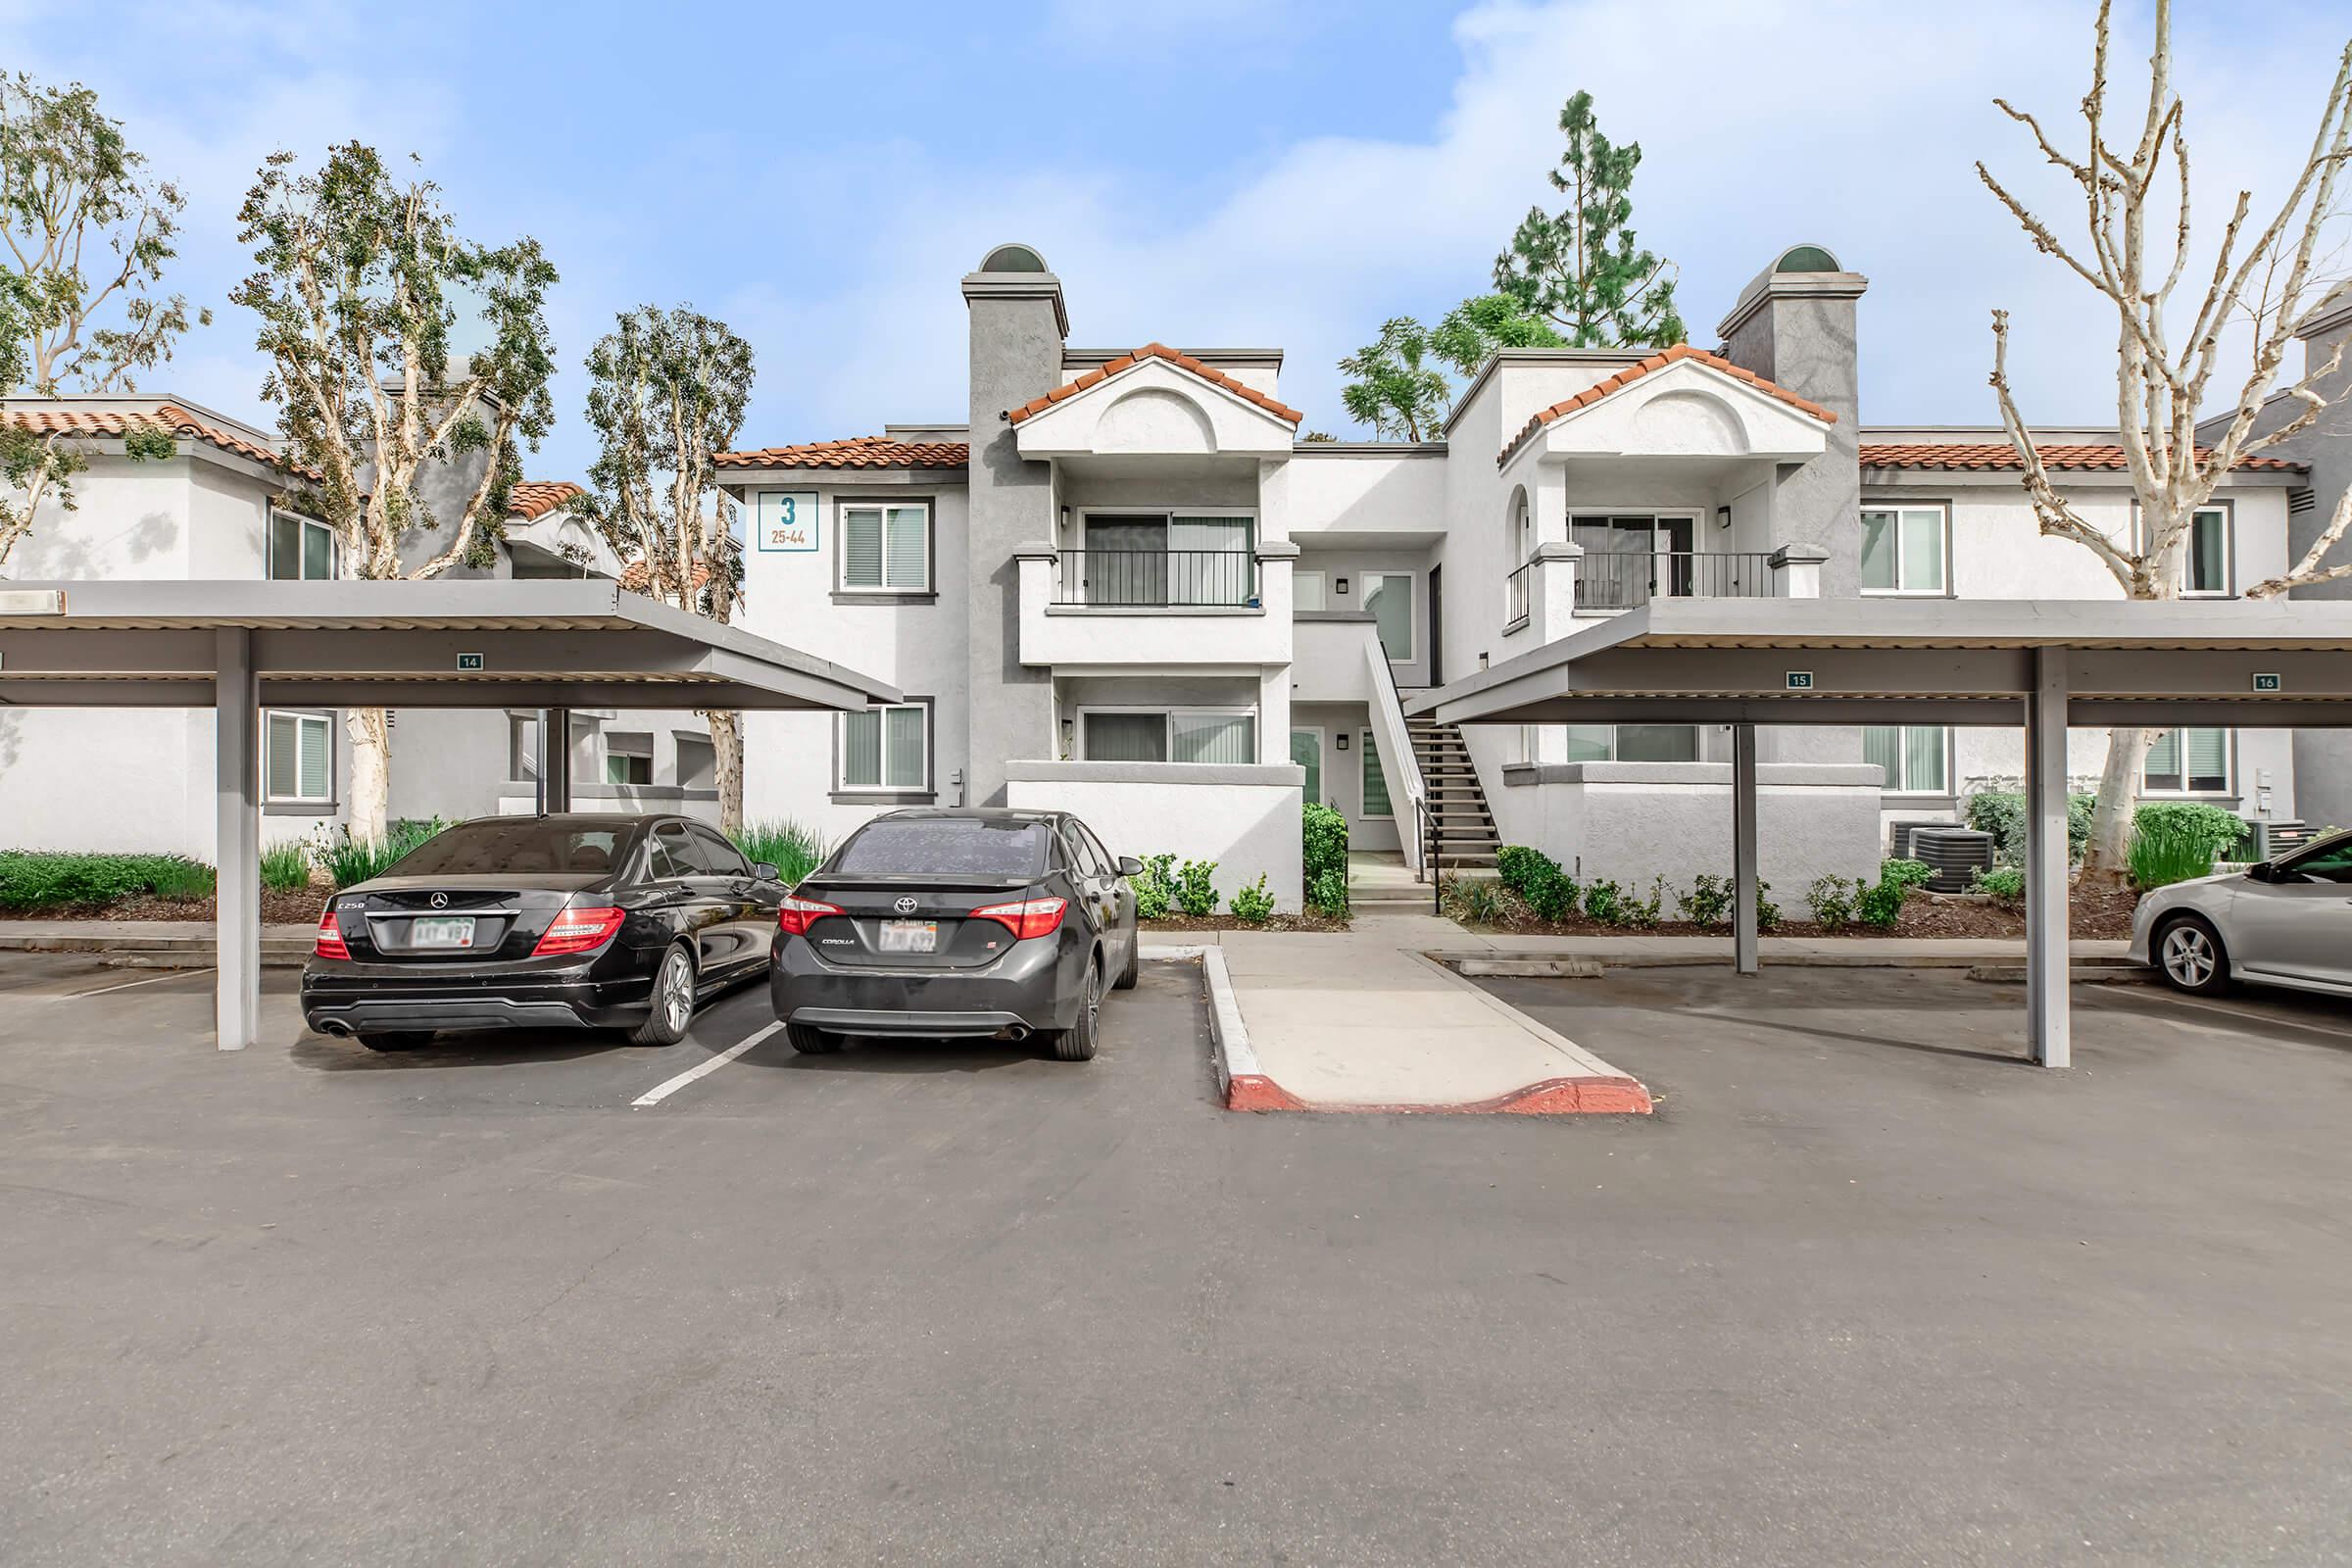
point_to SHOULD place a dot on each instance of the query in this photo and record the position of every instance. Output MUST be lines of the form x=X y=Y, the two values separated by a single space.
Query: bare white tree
x=2135 y=251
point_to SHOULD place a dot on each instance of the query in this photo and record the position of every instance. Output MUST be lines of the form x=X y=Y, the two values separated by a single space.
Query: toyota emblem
x=906 y=905
x=440 y=901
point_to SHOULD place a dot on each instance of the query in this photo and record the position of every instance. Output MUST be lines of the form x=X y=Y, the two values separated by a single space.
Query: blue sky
x=1210 y=172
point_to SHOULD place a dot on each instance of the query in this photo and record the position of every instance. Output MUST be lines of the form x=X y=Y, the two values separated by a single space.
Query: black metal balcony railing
x=1515 y=595
x=1631 y=579
x=1158 y=578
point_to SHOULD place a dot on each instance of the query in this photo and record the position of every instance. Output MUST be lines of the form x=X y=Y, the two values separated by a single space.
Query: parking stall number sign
x=787 y=520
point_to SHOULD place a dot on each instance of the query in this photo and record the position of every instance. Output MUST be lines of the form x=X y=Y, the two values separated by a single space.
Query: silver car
x=2286 y=922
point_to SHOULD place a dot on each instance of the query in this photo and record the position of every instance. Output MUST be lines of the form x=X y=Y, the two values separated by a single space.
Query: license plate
x=909 y=936
x=451 y=933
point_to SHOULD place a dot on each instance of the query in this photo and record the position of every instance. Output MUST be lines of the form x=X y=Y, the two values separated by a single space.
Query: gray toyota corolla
x=963 y=921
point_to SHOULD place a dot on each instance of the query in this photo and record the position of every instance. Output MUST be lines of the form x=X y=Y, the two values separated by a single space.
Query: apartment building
x=1121 y=584
x=130 y=778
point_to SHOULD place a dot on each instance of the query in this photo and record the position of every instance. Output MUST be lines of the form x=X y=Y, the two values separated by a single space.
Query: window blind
x=1214 y=737
x=1376 y=782
x=860 y=546
x=910 y=559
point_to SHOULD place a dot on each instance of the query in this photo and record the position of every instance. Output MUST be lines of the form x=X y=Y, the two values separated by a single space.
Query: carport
x=239 y=648
x=2044 y=664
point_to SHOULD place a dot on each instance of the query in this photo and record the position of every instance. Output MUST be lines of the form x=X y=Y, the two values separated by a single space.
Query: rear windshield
x=945 y=846
x=502 y=848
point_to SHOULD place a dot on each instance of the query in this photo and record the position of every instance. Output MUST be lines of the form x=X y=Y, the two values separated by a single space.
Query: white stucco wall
x=1244 y=819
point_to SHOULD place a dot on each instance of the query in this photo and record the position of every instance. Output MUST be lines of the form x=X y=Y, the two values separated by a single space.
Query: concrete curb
x=1242 y=1083
x=1575 y=965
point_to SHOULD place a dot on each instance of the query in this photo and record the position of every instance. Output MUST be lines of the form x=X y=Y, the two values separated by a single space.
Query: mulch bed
x=278 y=909
x=1308 y=920
x=2092 y=914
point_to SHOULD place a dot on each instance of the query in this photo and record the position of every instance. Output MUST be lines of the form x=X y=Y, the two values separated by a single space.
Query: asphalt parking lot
x=1864 y=1290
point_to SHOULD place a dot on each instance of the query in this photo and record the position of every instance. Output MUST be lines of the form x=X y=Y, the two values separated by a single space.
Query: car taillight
x=1031 y=918
x=794 y=916
x=331 y=938
x=577 y=931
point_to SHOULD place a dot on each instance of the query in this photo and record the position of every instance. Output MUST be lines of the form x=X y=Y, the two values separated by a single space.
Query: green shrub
x=1604 y=901
x=39 y=879
x=1547 y=891
x=2194 y=822
x=1473 y=900
x=1155 y=887
x=793 y=849
x=1514 y=861
x=1880 y=904
x=1710 y=901
x=1252 y=903
x=1831 y=900
x=2166 y=853
x=1643 y=913
x=1196 y=887
x=1323 y=857
x=1768 y=913
x=348 y=860
x=286 y=867
x=2006 y=883
x=2002 y=814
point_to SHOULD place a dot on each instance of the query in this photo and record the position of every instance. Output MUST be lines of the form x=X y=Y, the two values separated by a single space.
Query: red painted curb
x=1554 y=1097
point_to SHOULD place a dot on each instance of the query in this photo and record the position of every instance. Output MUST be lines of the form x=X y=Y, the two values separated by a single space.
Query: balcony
x=1627 y=580
x=1158 y=580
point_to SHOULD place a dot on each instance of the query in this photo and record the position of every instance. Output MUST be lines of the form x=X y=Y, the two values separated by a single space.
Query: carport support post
x=237 y=846
x=554 y=759
x=2048 y=1035
x=1744 y=892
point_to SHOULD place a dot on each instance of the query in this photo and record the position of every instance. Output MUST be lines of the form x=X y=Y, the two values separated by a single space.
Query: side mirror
x=2263 y=871
x=766 y=872
x=1129 y=865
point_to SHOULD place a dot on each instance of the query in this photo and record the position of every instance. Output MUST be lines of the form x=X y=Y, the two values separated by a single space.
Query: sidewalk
x=157 y=941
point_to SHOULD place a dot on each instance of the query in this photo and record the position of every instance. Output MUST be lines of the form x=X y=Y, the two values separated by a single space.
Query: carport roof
x=1925 y=662
x=581 y=642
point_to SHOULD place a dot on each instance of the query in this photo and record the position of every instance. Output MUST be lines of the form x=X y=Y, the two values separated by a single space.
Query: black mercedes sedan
x=580 y=921
x=967 y=922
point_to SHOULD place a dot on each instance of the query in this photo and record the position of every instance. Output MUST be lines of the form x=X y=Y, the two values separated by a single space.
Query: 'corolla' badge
x=906 y=905
x=440 y=901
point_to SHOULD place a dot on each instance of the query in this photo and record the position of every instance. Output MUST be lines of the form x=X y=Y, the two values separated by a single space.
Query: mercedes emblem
x=440 y=901
x=906 y=905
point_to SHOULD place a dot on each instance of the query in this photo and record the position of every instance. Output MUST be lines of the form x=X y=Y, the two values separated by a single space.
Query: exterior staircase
x=1465 y=829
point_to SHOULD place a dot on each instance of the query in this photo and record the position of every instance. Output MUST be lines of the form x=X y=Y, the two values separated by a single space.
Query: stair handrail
x=1397 y=751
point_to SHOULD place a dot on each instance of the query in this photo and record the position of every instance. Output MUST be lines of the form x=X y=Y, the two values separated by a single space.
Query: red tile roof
x=636 y=576
x=1154 y=350
x=2000 y=455
x=533 y=499
x=170 y=417
x=858 y=451
x=1642 y=368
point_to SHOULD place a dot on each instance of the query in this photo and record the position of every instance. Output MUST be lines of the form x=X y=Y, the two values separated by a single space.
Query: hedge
x=40 y=879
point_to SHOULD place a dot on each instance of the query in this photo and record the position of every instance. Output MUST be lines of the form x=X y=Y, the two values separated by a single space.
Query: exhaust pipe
x=1017 y=1033
x=336 y=1027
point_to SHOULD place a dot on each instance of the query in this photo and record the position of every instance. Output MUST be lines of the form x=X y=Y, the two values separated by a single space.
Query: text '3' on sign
x=786 y=521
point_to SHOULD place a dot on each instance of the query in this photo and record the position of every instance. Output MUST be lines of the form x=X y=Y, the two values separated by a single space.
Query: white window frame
x=2228 y=788
x=1321 y=579
x=841 y=751
x=301 y=717
x=1168 y=718
x=1697 y=747
x=1165 y=516
x=1943 y=509
x=522 y=747
x=335 y=547
x=1413 y=609
x=1370 y=753
x=2227 y=508
x=843 y=505
x=1897 y=786
x=629 y=747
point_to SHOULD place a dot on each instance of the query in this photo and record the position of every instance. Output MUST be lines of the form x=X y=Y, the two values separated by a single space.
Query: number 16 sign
x=787 y=519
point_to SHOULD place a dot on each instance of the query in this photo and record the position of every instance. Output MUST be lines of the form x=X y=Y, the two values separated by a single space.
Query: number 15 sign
x=787 y=519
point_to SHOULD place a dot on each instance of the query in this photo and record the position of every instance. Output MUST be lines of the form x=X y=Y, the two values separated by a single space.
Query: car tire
x=672 y=1002
x=2189 y=955
x=1078 y=1044
x=810 y=1041
x=397 y=1039
x=1135 y=965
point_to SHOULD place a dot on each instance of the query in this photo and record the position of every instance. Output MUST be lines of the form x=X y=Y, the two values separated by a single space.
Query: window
x=300 y=549
x=1081 y=849
x=2323 y=862
x=886 y=747
x=1166 y=558
x=1633 y=742
x=2188 y=761
x=1376 y=782
x=1916 y=758
x=1180 y=736
x=1306 y=590
x=1306 y=750
x=945 y=846
x=716 y=855
x=2205 y=573
x=886 y=549
x=670 y=856
x=628 y=757
x=522 y=747
x=1903 y=549
x=1388 y=595
x=697 y=763
x=298 y=759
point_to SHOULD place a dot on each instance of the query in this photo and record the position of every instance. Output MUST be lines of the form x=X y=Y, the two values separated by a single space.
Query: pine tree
x=1582 y=267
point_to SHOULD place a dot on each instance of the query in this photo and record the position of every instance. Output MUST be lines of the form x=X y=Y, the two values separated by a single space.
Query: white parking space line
x=2244 y=1018
x=153 y=979
x=657 y=1095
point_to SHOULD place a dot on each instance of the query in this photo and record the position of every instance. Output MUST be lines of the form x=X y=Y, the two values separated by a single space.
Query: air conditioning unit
x=2270 y=840
x=1899 y=831
x=1952 y=853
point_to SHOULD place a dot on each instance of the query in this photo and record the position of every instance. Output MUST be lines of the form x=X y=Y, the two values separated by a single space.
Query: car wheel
x=397 y=1039
x=1135 y=965
x=2190 y=954
x=674 y=1003
x=810 y=1041
x=1078 y=1045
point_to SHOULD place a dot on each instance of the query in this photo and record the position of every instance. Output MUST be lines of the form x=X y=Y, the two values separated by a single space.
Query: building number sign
x=787 y=520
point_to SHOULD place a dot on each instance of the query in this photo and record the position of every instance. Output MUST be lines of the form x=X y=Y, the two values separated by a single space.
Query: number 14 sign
x=787 y=519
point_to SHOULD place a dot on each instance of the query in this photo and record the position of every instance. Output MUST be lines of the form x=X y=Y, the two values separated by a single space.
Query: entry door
x=1436 y=627
x=1306 y=750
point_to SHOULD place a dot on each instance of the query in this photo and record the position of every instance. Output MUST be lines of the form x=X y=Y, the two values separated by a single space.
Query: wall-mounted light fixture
x=1342 y=740
x=1340 y=586
x=1723 y=516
